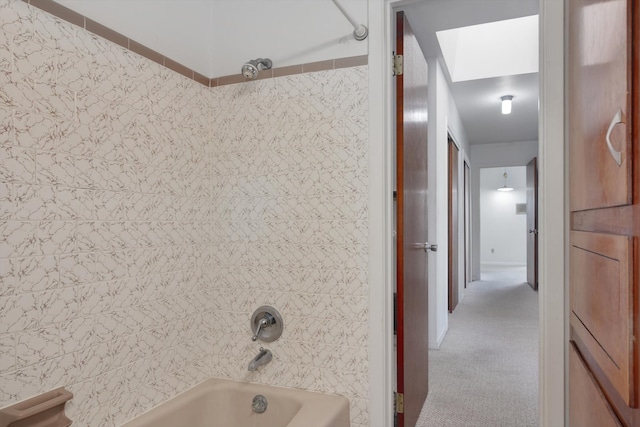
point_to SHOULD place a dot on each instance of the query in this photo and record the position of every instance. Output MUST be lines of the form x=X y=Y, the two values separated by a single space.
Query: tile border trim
x=100 y=30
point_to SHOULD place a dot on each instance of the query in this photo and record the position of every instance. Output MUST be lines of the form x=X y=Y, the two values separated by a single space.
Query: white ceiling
x=215 y=37
x=478 y=101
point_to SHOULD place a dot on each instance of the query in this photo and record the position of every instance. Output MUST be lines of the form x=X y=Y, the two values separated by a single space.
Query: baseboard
x=501 y=264
x=435 y=345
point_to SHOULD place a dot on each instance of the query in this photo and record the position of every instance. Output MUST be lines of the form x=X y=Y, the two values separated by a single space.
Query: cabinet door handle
x=617 y=155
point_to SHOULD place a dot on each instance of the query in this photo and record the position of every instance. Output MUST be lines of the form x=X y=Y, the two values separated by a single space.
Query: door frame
x=552 y=216
x=532 y=223
x=466 y=207
x=453 y=228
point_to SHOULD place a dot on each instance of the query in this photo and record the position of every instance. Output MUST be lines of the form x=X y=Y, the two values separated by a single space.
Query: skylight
x=496 y=49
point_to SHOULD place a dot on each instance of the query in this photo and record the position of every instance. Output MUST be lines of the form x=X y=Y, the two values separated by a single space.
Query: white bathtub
x=223 y=403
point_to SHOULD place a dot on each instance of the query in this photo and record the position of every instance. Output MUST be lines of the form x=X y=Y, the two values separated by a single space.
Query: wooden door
x=532 y=224
x=467 y=224
x=603 y=63
x=411 y=149
x=454 y=227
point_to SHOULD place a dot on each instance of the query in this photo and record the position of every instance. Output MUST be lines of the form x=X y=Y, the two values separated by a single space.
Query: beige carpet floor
x=486 y=370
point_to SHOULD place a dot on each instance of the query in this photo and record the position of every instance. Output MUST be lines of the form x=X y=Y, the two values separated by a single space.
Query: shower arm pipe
x=360 y=31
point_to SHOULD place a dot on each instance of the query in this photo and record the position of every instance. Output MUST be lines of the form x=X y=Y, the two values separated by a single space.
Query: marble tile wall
x=290 y=229
x=144 y=217
x=105 y=189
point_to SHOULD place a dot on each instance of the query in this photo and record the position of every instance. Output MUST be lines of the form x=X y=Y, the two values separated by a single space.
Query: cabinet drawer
x=602 y=304
x=587 y=405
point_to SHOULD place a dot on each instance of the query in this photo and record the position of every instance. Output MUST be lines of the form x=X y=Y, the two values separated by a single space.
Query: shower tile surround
x=144 y=216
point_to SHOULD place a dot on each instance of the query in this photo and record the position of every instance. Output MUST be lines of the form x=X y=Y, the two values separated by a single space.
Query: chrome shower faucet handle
x=266 y=324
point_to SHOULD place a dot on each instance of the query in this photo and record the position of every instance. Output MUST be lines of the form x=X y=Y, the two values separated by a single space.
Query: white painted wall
x=457 y=131
x=216 y=37
x=443 y=118
x=454 y=123
x=492 y=155
x=437 y=200
x=503 y=233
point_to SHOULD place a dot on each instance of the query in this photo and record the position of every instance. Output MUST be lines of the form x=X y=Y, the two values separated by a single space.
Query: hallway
x=486 y=371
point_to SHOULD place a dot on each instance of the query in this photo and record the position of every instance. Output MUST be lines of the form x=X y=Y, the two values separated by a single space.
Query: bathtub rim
x=332 y=409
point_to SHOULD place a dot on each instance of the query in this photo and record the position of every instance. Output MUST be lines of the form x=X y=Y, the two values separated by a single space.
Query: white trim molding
x=552 y=218
x=381 y=345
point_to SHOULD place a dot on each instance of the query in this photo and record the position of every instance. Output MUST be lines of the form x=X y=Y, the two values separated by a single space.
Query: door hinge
x=398 y=404
x=398 y=65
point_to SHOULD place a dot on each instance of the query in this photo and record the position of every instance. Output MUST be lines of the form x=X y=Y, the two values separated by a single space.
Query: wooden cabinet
x=588 y=407
x=602 y=304
x=599 y=78
x=603 y=61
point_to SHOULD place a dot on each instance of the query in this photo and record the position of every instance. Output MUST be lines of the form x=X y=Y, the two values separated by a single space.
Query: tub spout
x=262 y=358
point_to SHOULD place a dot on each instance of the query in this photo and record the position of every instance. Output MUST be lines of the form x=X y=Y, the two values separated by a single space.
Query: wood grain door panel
x=411 y=176
x=587 y=405
x=602 y=304
x=454 y=153
x=600 y=75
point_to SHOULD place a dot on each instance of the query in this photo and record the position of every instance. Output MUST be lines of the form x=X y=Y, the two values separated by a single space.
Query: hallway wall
x=503 y=233
x=443 y=119
x=492 y=155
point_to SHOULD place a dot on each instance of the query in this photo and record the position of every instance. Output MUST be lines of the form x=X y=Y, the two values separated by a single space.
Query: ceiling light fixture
x=506 y=103
x=504 y=187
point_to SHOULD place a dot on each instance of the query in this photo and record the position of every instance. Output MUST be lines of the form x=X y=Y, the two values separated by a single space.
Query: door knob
x=426 y=246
